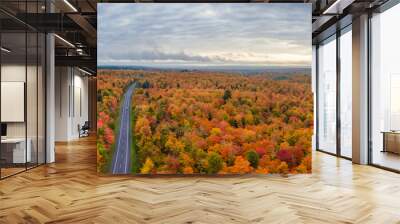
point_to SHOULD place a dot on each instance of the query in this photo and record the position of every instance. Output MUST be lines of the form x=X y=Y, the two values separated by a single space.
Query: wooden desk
x=391 y=141
x=13 y=150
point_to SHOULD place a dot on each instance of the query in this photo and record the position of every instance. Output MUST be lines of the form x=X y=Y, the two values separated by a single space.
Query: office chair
x=84 y=130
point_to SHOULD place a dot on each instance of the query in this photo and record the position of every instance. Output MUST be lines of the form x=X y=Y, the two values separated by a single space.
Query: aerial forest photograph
x=210 y=89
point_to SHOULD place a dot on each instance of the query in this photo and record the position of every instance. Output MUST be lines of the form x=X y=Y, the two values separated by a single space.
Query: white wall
x=33 y=126
x=13 y=72
x=71 y=94
x=16 y=73
x=61 y=103
x=80 y=110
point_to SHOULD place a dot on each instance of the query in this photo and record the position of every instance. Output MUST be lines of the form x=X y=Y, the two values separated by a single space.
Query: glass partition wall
x=13 y=86
x=385 y=89
x=22 y=77
x=334 y=105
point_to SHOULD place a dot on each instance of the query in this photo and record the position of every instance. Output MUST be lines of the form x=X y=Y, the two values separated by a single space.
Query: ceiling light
x=5 y=50
x=70 y=5
x=79 y=51
x=86 y=72
x=65 y=41
x=337 y=7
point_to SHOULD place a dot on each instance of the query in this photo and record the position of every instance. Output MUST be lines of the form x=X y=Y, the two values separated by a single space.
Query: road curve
x=121 y=162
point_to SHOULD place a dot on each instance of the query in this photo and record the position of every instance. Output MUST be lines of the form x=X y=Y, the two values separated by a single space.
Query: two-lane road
x=121 y=162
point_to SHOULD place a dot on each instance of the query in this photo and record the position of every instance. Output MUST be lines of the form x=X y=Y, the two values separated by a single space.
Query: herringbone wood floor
x=70 y=191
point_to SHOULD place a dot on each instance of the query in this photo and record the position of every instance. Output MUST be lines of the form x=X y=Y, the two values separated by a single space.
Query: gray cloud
x=157 y=55
x=204 y=33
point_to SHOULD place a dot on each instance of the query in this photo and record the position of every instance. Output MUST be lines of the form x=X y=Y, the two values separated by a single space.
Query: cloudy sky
x=204 y=34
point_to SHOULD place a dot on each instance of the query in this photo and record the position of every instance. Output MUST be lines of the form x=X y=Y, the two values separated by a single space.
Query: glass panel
x=385 y=84
x=31 y=98
x=314 y=86
x=327 y=96
x=23 y=87
x=32 y=87
x=13 y=87
x=41 y=98
x=346 y=93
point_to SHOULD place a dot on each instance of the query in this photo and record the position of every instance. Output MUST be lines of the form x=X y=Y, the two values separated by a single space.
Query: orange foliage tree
x=210 y=122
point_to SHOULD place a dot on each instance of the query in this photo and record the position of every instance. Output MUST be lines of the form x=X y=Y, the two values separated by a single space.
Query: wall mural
x=204 y=89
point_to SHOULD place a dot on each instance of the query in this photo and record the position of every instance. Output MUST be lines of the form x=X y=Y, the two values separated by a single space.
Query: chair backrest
x=86 y=125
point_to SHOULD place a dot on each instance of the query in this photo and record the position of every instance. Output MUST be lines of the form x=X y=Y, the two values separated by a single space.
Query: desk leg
x=384 y=142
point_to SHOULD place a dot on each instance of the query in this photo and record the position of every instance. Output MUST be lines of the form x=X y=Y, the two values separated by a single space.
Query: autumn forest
x=203 y=122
